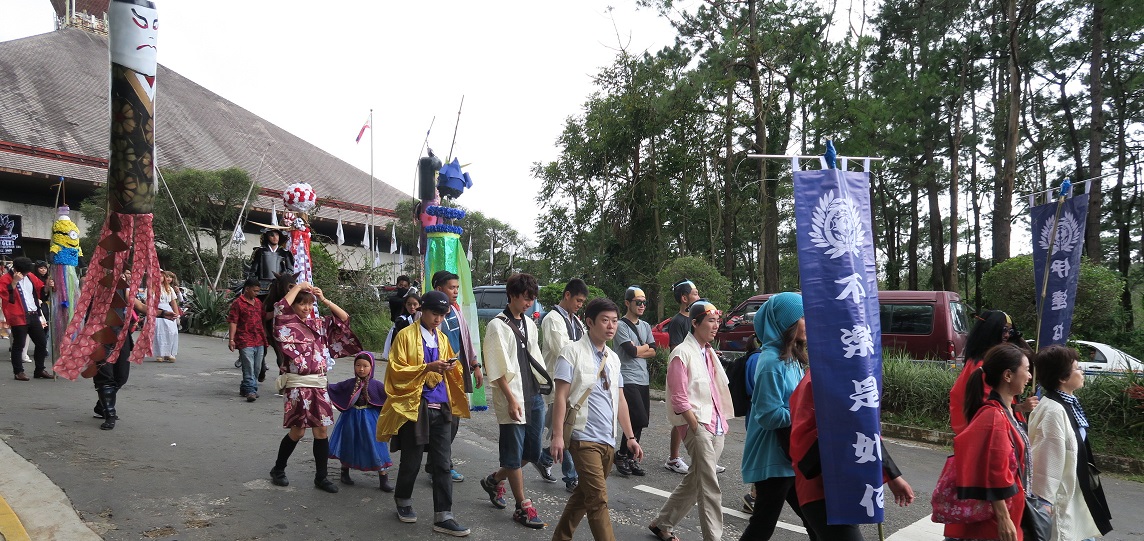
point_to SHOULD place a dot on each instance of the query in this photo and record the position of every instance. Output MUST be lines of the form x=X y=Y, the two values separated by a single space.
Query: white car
x=1097 y=358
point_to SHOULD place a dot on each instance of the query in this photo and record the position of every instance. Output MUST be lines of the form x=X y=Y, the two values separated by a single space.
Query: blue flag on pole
x=844 y=337
x=1056 y=309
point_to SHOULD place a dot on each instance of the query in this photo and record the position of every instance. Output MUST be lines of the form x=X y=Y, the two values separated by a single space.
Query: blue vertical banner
x=844 y=337
x=1056 y=308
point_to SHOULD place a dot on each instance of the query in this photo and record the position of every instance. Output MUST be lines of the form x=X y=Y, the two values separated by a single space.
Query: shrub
x=712 y=286
x=551 y=294
x=916 y=391
x=371 y=328
x=208 y=308
x=1009 y=286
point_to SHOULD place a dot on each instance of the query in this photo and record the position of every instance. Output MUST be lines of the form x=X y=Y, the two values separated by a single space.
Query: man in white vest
x=559 y=328
x=699 y=406
x=591 y=414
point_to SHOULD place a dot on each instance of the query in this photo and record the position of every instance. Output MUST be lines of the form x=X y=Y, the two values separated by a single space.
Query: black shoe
x=383 y=482
x=623 y=467
x=278 y=477
x=346 y=477
x=251 y=397
x=635 y=468
x=450 y=527
x=326 y=485
x=545 y=472
x=405 y=514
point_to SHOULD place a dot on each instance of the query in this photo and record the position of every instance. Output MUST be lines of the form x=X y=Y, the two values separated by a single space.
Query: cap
x=633 y=292
x=435 y=301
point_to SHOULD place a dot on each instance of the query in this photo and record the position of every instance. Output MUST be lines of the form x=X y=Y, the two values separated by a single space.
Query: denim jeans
x=251 y=360
x=520 y=444
x=567 y=465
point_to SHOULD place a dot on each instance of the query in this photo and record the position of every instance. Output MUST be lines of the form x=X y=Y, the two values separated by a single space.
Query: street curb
x=1108 y=463
x=11 y=529
x=42 y=508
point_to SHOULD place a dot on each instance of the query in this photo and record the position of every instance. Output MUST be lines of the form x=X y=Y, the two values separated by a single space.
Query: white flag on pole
x=400 y=259
x=365 y=243
x=239 y=237
x=393 y=238
x=511 y=253
x=469 y=251
x=376 y=256
x=492 y=250
x=341 y=234
x=274 y=215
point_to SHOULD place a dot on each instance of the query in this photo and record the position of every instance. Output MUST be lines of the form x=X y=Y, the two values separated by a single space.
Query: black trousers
x=440 y=453
x=770 y=495
x=115 y=374
x=814 y=514
x=20 y=335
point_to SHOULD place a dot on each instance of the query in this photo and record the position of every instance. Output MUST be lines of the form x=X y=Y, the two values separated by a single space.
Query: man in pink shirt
x=699 y=405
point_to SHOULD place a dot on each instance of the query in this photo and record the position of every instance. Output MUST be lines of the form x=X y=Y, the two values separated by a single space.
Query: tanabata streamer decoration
x=301 y=199
x=97 y=330
x=443 y=251
x=65 y=254
x=844 y=336
x=1066 y=218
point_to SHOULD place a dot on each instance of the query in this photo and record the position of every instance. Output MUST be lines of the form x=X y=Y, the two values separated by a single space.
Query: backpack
x=737 y=379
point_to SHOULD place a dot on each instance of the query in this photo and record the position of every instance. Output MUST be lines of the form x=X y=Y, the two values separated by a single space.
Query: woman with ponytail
x=992 y=327
x=992 y=452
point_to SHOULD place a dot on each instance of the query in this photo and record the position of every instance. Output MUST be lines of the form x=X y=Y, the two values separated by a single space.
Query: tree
x=712 y=285
x=1008 y=286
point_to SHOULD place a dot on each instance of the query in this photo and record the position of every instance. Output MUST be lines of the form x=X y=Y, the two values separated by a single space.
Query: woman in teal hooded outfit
x=780 y=366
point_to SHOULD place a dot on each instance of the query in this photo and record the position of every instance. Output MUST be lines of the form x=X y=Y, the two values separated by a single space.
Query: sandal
x=658 y=533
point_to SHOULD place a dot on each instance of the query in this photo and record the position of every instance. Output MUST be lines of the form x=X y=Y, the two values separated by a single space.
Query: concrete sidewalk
x=43 y=511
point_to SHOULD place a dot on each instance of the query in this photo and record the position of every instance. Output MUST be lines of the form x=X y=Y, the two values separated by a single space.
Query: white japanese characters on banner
x=843 y=330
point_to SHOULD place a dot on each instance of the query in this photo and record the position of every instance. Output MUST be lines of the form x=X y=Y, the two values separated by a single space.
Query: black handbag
x=1037 y=523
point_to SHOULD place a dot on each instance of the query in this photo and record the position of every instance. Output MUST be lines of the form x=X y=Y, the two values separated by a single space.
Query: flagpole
x=371 y=182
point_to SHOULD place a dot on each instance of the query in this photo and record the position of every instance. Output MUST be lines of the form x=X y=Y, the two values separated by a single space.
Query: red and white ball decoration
x=300 y=197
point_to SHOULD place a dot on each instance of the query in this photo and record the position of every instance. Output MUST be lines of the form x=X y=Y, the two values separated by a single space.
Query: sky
x=316 y=70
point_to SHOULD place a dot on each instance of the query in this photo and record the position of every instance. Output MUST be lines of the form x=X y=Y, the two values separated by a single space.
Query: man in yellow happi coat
x=425 y=388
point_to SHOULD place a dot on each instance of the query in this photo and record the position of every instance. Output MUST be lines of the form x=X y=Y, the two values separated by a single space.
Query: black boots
x=383 y=479
x=285 y=449
x=321 y=459
x=107 y=405
x=346 y=476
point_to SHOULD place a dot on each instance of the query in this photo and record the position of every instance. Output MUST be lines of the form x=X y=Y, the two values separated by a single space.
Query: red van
x=924 y=324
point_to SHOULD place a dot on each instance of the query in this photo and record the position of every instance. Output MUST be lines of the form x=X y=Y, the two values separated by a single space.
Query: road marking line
x=726 y=511
x=923 y=530
x=10 y=526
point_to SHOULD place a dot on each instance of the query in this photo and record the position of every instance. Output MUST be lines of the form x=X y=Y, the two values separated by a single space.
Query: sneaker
x=748 y=503
x=526 y=514
x=405 y=514
x=456 y=476
x=495 y=491
x=571 y=485
x=719 y=469
x=450 y=527
x=635 y=468
x=623 y=466
x=676 y=465
x=251 y=397
x=545 y=472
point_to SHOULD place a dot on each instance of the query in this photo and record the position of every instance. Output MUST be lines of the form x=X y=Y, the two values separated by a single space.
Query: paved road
x=189 y=461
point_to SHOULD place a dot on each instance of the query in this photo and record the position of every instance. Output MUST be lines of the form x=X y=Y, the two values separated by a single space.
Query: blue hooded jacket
x=775 y=380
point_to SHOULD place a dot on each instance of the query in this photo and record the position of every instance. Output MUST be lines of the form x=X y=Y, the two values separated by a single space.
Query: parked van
x=924 y=324
x=491 y=300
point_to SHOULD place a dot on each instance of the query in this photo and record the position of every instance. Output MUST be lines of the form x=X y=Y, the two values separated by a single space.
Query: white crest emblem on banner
x=837 y=226
x=1068 y=234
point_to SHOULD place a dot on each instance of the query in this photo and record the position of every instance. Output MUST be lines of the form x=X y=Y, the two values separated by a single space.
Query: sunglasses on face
x=640 y=303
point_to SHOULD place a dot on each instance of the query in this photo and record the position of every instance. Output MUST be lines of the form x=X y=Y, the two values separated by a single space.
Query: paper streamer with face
x=98 y=329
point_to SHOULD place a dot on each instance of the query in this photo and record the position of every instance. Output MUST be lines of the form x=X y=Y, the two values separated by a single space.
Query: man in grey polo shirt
x=634 y=344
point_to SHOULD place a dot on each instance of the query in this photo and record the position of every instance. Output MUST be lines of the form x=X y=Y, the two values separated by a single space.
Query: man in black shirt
x=677 y=330
x=397 y=298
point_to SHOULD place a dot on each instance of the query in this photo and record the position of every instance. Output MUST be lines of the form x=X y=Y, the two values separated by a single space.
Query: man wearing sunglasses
x=634 y=344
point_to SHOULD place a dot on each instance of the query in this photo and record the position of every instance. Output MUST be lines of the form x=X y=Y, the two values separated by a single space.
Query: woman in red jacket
x=992 y=452
x=993 y=327
x=20 y=292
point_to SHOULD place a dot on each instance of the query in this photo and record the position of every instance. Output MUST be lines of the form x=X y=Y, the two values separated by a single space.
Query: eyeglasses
x=1006 y=331
x=640 y=303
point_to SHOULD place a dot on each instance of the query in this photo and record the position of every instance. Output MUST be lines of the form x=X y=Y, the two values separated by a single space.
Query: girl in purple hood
x=354 y=440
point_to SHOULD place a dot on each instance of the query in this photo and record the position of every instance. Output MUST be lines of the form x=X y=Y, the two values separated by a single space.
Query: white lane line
x=727 y=511
x=922 y=530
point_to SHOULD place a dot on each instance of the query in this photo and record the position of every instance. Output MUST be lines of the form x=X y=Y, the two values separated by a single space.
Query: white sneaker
x=719 y=469
x=676 y=465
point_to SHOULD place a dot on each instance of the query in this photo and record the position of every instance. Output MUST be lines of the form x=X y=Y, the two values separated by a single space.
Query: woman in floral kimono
x=308 y=342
